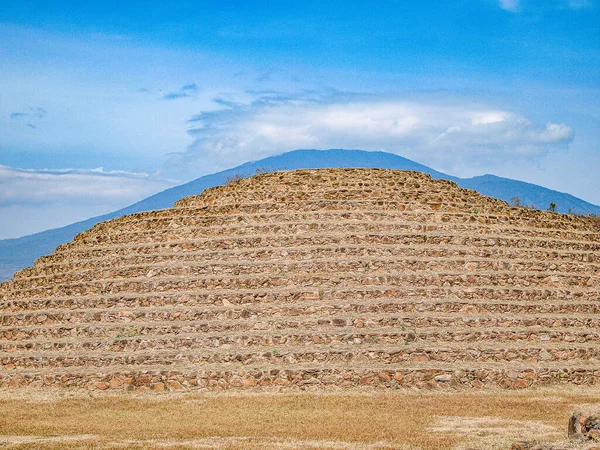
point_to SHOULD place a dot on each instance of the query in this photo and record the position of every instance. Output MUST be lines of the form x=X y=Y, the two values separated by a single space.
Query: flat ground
x=349 y=420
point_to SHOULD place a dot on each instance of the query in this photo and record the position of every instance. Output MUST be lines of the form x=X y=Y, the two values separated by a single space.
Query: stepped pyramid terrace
x=312 y=279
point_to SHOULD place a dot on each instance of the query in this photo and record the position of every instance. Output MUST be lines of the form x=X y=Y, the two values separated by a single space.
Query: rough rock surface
x=584 y=426
x=312 y=279
x=583 y=432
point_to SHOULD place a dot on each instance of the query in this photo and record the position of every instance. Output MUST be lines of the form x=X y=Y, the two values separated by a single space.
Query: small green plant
x=321 y=293
x=552 y=207
x=403 y=328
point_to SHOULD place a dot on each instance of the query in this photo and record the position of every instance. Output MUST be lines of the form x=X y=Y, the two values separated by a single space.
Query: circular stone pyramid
x=320 y=279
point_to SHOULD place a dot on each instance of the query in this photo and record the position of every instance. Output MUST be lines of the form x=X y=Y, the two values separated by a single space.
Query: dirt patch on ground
x=493 y=432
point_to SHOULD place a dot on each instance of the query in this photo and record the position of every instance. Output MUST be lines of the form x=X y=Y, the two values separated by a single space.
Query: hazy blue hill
x=18 y=253
x=529 y=194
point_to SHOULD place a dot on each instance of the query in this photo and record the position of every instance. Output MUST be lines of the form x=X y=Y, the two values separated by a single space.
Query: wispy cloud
x=517 y=5
x=510 y=5
x=35 y=113
x=35 y=200
x=579 y=4
x=184 y=91
x=437 y=130
x=76 y=186
x=32 y=115
x=175 y=95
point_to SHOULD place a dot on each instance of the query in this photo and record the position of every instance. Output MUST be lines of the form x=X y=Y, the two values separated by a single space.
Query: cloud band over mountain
x=443 y=131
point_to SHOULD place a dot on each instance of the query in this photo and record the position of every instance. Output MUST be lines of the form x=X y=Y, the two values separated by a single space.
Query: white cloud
x=442 y=132
x=510 y=5
x=488 y=117
x=76 y=187
x=554 y=132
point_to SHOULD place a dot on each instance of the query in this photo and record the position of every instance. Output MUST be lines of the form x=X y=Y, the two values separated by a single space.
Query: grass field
x=351 y=420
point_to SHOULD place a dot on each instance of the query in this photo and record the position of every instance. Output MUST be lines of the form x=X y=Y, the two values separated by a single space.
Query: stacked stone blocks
x=315 y=279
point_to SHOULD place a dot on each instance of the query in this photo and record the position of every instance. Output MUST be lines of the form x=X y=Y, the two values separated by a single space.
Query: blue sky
x=102 y=104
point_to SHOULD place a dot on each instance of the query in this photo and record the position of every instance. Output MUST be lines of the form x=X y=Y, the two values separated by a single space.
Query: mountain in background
x=16 y=254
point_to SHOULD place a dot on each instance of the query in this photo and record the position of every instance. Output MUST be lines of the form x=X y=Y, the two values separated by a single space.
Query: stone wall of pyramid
x=313 y=279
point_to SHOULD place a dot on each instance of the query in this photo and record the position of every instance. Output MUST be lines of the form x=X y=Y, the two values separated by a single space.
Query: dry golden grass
x=350 y=420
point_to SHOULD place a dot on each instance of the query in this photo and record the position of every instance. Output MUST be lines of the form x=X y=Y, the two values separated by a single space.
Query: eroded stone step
x=339 y=267
x=215 y=378
x=129 y=342
x=286 y=308
x=173 y=219
x=444 y=199
x=325 y=357
x=162 y=322
x=519 y=216
x=245 y=297
x=314 y=280
x=293 y=303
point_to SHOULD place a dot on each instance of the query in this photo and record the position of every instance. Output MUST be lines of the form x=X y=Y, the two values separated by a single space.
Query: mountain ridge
x=18 y=253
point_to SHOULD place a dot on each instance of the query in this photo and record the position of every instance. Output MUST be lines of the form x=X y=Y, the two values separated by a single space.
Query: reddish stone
x=174 y=385
x=365 y=380
x=249 y=382
x=144 y=379
x=383 y=376
x=102 y=385
x=520 y=384
x=158 y=387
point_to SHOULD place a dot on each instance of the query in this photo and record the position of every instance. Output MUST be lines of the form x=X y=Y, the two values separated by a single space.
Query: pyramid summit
x=312 y=279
